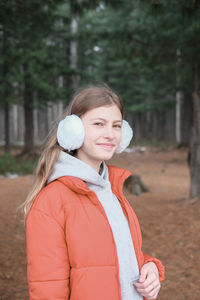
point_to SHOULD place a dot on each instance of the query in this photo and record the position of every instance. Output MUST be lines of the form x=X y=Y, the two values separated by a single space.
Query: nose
x=109 y=132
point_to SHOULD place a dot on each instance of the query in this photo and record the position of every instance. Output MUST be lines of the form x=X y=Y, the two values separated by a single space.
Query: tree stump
x=135 y=185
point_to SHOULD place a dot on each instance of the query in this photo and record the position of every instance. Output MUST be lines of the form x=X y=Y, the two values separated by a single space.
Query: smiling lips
x=106 y=145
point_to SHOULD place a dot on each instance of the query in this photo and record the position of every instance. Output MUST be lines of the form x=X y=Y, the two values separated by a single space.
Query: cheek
x=119 y=136
x=90 y=136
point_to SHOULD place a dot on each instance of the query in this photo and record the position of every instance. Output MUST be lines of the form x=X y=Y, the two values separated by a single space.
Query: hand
x=148 y=285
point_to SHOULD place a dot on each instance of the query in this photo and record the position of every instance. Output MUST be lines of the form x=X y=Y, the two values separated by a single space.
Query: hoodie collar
x=78 y=176
x=68 y=165
x=117 y=176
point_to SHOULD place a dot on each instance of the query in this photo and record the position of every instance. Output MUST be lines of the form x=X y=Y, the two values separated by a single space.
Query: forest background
x=148 y=51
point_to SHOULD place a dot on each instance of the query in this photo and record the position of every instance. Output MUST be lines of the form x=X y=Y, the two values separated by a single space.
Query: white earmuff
x=71 y=133
x=127 y=135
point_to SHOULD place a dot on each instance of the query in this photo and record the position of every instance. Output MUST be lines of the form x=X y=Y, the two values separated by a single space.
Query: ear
x=70 y=133
x=127 y=134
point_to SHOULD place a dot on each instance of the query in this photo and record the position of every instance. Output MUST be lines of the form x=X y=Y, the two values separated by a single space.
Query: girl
x=83 y=238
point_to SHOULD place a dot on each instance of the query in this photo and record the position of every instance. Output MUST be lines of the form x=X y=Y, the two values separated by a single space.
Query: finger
x=143 y=275
x=153 y=285
x=149 y=289
x=151 y=294
x=146 y=290
x=151 y=279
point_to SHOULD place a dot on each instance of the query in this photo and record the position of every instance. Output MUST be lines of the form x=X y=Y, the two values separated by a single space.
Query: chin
x=106 y=156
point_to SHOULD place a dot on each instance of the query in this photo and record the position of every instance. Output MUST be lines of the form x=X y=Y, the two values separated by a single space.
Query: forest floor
x=170 y=224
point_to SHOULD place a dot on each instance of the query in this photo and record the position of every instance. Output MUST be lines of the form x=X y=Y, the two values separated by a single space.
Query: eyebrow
x=102 y=119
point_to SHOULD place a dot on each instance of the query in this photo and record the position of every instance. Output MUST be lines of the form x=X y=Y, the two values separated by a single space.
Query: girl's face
x=102 y=135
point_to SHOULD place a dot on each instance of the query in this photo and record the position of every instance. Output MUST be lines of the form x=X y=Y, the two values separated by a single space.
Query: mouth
x=106 y=145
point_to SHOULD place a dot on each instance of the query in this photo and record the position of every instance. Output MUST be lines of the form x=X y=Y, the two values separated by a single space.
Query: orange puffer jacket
x=71 y=252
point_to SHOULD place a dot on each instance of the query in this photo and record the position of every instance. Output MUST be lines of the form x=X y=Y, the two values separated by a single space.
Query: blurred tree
x=181 y=34
x=5 y=87
x=30 y=64
x=7 y=60
x=149 y=51
x=35 y=25
x=46 y=50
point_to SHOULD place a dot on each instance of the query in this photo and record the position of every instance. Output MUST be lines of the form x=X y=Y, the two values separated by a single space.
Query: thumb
x=143 y=275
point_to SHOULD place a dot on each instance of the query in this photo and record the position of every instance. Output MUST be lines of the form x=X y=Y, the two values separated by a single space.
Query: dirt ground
x=170 y=224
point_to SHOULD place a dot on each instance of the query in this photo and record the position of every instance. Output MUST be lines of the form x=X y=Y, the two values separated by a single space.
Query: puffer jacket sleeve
x=47 y=258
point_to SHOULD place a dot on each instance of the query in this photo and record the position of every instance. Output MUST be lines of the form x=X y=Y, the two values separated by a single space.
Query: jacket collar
x=117 y=176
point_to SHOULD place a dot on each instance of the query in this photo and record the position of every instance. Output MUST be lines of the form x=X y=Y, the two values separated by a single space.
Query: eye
x=99 y=124
x=117 y=126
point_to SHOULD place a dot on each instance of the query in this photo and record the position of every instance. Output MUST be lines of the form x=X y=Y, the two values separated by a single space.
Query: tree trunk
x=178 y=117
x=187 y=118
x=194 y=149
x=178 y=104
x=74 y=53
x=6 y=93
x=14 y=130
x=7 y=127
x=28 y=116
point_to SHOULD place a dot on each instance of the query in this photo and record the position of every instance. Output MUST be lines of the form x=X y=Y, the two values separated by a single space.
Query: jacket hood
x=79 y=176
x=68 y=165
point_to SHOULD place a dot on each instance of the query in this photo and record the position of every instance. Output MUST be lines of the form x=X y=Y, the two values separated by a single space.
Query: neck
x=92 y=163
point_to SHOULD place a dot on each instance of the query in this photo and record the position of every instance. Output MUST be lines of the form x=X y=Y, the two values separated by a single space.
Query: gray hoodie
x=68 y=165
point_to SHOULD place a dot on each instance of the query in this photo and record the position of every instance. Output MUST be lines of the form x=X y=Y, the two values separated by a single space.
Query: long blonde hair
x=84 y=100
